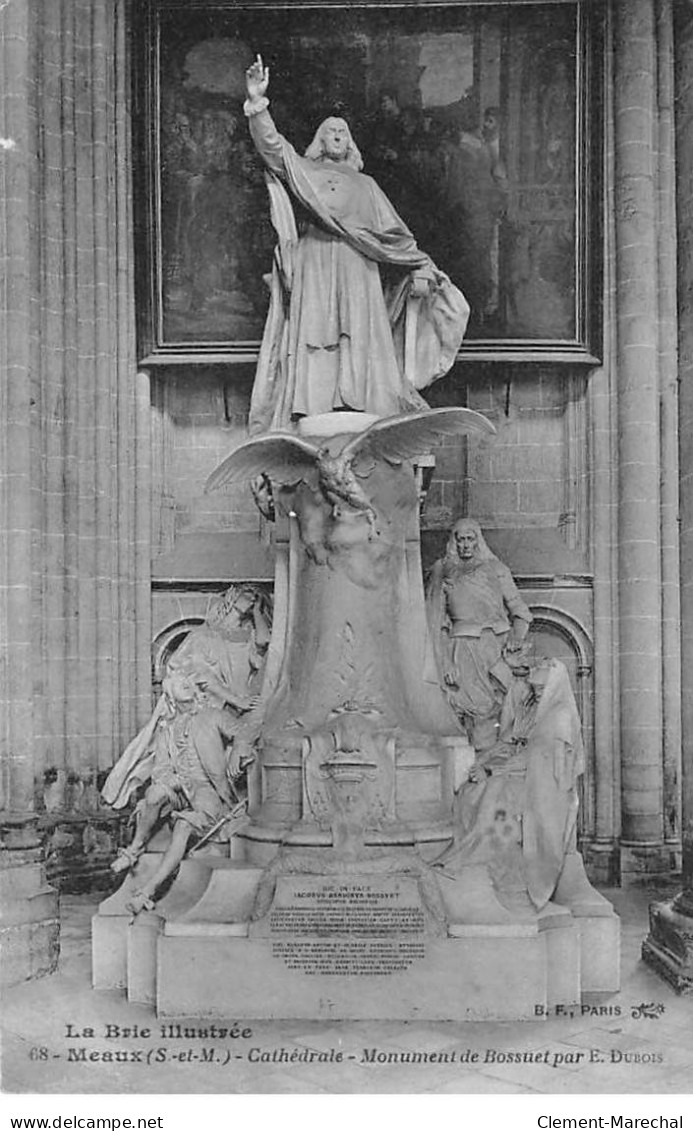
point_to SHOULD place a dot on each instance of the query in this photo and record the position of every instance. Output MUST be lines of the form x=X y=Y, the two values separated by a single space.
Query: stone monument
x=371 y=876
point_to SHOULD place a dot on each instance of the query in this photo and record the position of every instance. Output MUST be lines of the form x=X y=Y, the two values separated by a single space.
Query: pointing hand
x=257 y=80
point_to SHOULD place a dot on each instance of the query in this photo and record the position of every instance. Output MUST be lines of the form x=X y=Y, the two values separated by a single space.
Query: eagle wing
x=396 y=438
x=285 y=458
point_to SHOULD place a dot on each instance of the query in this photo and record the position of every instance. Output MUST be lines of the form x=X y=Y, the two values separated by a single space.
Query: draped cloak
x=336 y=333
x=531 y=797
x=209 y=728
x=210 y=659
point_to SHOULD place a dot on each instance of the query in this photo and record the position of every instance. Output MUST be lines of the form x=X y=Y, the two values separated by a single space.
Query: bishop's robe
x=335 y=336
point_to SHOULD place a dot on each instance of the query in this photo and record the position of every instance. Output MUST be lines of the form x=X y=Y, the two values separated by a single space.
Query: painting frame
x=157 y=345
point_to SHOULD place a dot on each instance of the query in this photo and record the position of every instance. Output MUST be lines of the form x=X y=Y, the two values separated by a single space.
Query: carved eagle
x=286 y=458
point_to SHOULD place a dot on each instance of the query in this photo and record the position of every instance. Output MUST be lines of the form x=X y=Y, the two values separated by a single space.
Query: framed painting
x=478 y=120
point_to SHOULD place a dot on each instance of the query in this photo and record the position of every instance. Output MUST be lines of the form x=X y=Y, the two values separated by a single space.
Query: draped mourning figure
x=517 y=813
x=359 y=318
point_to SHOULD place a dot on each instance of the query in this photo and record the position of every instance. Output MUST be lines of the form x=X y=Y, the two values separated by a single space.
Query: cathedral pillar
x=639 y=258
x=602 y=853
x=74 y=587
x=669 y=945
x=29 y=930
x=669 y=429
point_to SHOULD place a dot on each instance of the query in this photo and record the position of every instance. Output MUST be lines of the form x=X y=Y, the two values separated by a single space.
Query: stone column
x=669 y=945
x=639 y=534
x=75 y=501
x=29 y=930
x=669 y=424
x=602 y=852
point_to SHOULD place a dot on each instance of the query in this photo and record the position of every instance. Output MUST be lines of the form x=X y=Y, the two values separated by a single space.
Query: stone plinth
x=29 y=923
x=598 y=927
x=491 y=974
x=363 y=946
x=358 y=942
x=115 y=965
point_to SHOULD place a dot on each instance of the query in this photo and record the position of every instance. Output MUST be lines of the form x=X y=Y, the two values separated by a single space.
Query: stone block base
x=315 y=954
x=118 y=963
x=29 y=923
x=483 y=974
x=647 y=862
x=140 y=945
x=598 y=927
x=109 y=950
x=29 y=950
x=600 y=954
x=563 y=956
x=668 y=948
x=602 y=863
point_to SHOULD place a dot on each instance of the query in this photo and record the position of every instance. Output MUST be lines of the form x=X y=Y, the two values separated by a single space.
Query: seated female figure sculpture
x=181 y=756
x=188 y=782
x=517 y=812
x=335 y=336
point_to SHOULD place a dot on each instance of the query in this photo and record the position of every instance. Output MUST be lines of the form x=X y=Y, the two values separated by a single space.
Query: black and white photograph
x=346 y=584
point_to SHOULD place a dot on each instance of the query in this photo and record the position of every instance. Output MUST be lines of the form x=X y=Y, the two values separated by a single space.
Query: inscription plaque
x=361 y=925
x=337 y=956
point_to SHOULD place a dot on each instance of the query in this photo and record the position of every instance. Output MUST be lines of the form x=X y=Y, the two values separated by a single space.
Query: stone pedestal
x=362 y=942
x=348 y=667
x=563 y=956
x=116 y=965
x=668 y=948
x=366 y=945
x=29 y=923
x=486 y=975
x=598 y=928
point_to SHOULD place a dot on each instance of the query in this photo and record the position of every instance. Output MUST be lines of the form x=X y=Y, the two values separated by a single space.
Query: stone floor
x=640 y=1041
